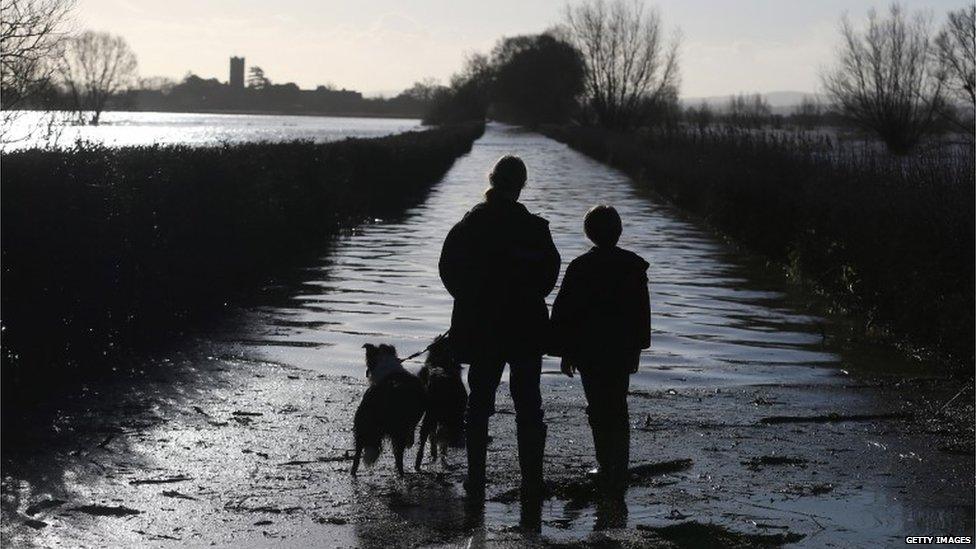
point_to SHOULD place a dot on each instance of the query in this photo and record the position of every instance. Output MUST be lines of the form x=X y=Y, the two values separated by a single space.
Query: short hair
x=508 y=174
x=602 y=225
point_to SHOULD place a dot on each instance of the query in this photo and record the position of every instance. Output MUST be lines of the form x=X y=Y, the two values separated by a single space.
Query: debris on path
x=35 y=508
x=695 y=535
x=167 y=480
x=830 y=418
x=177 y=495
x=757 y=463
x=106 y=510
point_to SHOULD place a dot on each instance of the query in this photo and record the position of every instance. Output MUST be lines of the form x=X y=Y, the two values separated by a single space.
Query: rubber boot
x=531 y=450
x=600 y=446
x=476 y=441
x=617 y=476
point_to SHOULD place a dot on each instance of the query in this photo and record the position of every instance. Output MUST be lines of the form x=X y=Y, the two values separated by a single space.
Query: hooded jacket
x=603 y=307
x=499 y=263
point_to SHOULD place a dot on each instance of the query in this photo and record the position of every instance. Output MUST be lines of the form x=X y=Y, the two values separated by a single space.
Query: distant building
x=237 y=72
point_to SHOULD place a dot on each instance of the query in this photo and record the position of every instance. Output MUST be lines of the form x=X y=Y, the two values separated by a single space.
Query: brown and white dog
x=446 y=400
x=391 y=407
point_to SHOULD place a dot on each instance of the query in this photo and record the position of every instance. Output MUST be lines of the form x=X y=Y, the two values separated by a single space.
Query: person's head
x=507 y=177
x=602 y=226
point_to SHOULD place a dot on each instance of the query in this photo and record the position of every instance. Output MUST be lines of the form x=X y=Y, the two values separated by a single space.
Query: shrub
x=888 y=238
x=106 y=247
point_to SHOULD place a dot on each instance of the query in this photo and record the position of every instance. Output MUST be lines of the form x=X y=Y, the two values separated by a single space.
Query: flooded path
x=770 y=428
x=714 y=323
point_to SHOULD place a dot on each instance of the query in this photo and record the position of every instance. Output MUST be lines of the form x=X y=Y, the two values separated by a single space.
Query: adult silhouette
x=499 y=263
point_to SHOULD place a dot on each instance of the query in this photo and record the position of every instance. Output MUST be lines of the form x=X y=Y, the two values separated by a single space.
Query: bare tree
x=748 y=111
x=884 y=79
x=423 y=90
x=808 y=113
x=256 y=79
x=93 y=67
x=701 y=117
x=162 y=84
x=956 y=51
x=30 y=32
x=629 y=66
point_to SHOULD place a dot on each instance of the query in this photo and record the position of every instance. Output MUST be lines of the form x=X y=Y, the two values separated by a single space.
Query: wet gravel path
x=747 y=427
x=243 y=454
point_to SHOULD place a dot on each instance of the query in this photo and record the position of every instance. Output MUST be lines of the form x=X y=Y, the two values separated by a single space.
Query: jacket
x=499 y=263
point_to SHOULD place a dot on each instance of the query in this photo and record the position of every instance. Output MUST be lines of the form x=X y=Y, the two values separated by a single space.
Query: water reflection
x=712 y=321
x=170 y=128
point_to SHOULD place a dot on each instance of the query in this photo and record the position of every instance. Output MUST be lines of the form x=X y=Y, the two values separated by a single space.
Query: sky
x=383 y=46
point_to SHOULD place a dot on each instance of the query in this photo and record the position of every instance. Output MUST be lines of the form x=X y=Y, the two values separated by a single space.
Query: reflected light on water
x=712 y=322
x=149 y=128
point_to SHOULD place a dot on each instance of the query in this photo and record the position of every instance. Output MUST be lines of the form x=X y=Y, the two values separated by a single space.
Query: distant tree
x=808 y=113
x=467 y=97
x=700 y=117
x=256 y=79
x=629 y=66
x=156 y=83
x=193 y=81
x=748 y=111
x=537 y=79
x=94 y=66
x=662 y=111
x=956 y=51
x=30 y=34
x=423 y=91
x=884 y=80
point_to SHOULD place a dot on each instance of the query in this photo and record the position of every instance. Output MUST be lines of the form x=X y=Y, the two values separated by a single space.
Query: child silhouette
x=601 y=320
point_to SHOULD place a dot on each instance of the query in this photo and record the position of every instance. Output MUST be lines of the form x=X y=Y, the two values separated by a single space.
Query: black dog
x=391 y=407
x=446 y=401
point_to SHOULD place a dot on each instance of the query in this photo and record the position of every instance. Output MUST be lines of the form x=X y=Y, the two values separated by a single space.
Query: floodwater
x=255 y=453
x=119 y=128
x=717 y=319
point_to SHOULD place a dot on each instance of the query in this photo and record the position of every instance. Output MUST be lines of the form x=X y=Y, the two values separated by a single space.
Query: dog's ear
x=370 y=355
x=370 y=350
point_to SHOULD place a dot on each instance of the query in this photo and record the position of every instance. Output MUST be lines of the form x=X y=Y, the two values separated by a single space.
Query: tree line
x=611 y=64
x=85 y=73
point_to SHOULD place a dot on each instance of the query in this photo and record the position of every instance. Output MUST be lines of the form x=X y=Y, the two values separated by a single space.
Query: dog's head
x=440 y=356
x=380 y=357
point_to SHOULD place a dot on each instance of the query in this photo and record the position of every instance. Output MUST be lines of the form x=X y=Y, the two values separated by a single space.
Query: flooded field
x=121 y=129
x=755 y=423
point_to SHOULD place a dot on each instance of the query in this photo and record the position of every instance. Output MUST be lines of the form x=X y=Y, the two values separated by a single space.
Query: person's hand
x=566 y=366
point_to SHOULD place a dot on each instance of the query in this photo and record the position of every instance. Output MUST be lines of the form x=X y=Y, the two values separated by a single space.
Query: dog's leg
x=355 y=460
x=433 y=445
x=398 y=454
x=424 y=433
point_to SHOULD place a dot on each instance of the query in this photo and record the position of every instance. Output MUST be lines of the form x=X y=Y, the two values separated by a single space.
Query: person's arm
x=644 y=313
x=550 y=271
x=455 y=263
x=565 y=315
x=538 y=261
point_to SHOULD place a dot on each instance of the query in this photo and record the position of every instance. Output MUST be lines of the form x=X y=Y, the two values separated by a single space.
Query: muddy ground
x=235 y=453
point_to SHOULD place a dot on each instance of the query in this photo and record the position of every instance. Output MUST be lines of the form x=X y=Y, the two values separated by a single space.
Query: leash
x=427 y=348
